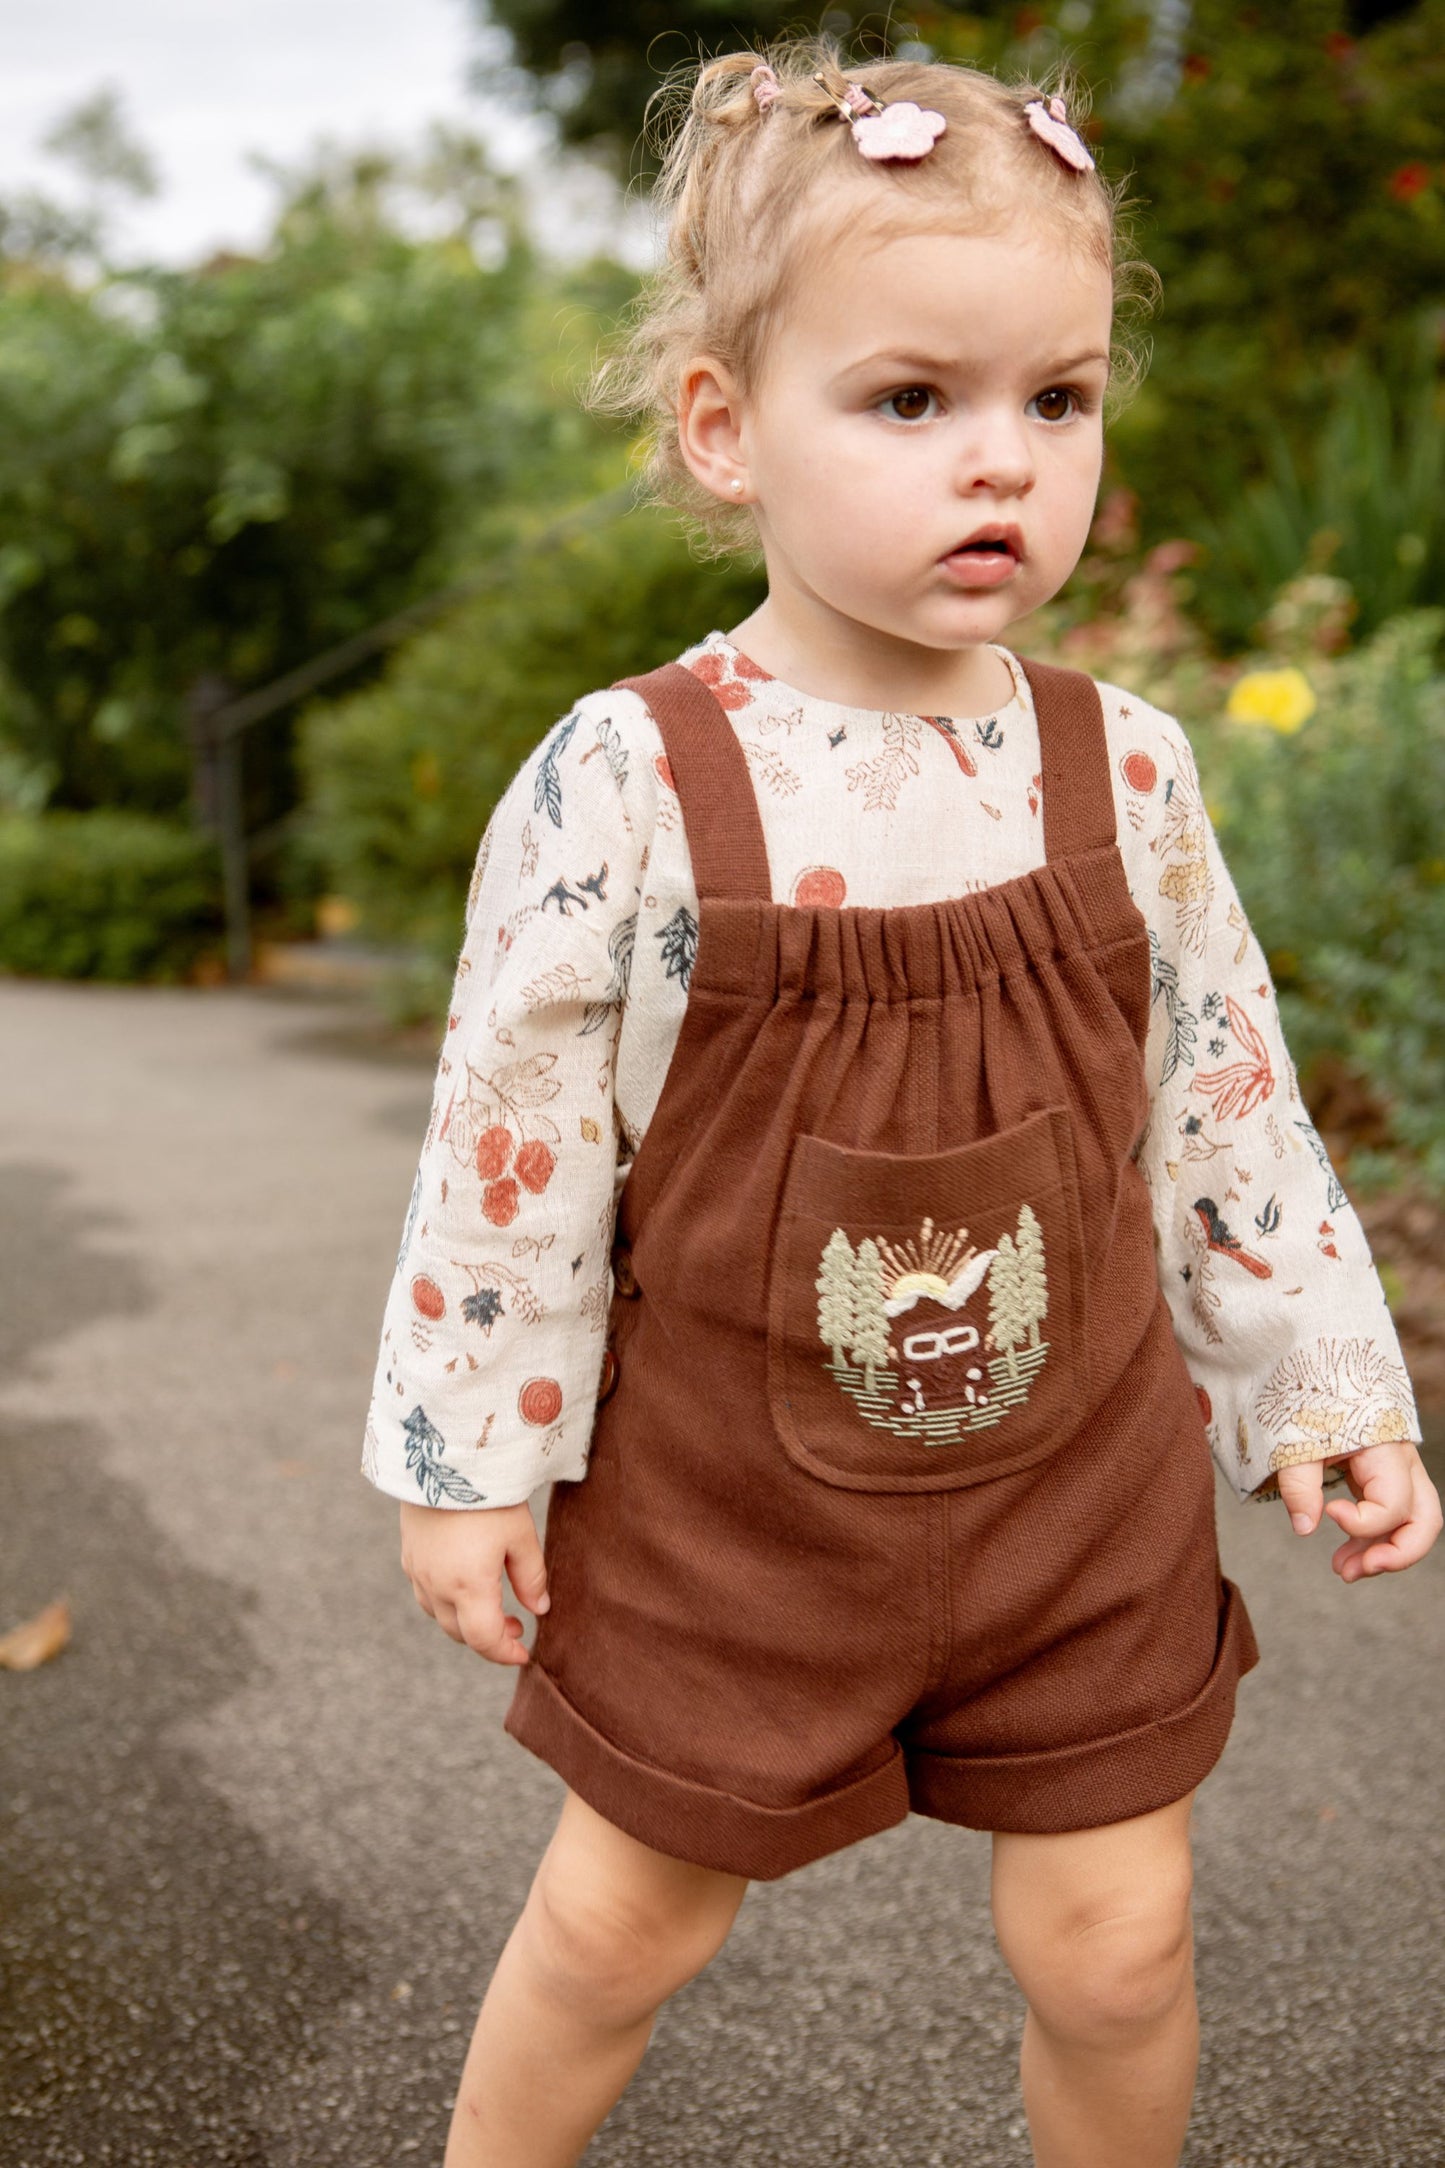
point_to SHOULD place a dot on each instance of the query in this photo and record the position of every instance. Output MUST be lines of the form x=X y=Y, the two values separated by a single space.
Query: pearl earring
x=735 y=483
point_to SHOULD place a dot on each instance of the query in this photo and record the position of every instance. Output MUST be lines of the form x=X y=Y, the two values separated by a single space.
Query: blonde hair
x=744 y=192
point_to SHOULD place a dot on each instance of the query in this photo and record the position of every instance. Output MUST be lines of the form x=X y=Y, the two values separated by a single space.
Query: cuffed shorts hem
x=1062 y=1788
x=1102 y=1780
x=689 y=1820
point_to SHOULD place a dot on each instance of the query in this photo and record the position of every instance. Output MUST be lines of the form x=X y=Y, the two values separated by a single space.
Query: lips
x=1005 y=539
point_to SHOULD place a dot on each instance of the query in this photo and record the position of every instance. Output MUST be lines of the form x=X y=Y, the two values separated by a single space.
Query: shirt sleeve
x=1277 y=1305
x=494 y=1328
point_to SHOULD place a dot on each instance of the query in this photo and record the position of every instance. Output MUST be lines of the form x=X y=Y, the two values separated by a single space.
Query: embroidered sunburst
x=934 y=1385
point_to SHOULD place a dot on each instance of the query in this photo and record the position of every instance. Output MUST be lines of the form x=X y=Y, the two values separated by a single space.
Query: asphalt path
x=262 y=1835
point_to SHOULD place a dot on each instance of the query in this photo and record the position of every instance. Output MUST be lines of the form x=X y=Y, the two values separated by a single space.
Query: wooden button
x=608 y=1381
x=623 y=1278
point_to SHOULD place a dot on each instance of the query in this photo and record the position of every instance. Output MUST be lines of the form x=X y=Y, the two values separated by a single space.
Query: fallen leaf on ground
x=40 y=1638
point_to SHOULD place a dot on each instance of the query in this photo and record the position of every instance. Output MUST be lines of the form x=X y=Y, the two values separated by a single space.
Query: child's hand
x=1393 y=1518
x=454 y=1562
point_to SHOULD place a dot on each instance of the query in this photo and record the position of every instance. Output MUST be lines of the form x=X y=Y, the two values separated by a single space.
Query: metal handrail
x=217 y=721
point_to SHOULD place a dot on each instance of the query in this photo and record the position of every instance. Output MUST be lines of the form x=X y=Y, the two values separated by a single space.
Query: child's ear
x=709 y=428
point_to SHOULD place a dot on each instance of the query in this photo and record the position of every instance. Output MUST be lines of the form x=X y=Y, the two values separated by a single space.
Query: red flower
x=1407 y=182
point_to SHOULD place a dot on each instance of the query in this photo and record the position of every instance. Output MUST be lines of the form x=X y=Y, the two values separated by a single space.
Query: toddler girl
x=865 y=1173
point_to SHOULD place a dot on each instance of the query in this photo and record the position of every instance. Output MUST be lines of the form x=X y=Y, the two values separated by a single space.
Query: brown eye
x=912 y=404
x=1058 y=391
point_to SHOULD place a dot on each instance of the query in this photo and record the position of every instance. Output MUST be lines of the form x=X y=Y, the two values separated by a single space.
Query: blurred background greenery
x=211 y=477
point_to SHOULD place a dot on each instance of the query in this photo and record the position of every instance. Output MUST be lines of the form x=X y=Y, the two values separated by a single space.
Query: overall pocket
x=927 y=1321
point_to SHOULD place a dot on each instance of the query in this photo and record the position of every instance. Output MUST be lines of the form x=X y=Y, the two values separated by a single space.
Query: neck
x=838 y=659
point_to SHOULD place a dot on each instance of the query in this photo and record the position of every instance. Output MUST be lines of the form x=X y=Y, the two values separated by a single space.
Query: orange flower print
x=819 y=887
x=1241 y=1086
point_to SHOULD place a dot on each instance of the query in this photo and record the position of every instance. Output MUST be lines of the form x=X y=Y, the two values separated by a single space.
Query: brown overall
x=899 y=1492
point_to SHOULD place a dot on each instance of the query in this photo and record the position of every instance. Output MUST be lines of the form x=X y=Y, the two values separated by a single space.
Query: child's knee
x=1102 y=1955
x=1114 y=1976
x=616 y=1952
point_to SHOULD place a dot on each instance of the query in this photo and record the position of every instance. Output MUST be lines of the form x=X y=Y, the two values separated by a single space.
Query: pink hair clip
x=1052 y=124
x=902 y=131
x=765 y=86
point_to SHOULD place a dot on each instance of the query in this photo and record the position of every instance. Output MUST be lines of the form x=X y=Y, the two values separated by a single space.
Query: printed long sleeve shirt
x=581 y=927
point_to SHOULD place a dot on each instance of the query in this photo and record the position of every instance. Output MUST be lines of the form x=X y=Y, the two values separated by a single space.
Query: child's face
x=918 y=389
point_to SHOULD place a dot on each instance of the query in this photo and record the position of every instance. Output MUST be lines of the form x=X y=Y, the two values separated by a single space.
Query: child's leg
x=1096 y=1927
x=610 y=1928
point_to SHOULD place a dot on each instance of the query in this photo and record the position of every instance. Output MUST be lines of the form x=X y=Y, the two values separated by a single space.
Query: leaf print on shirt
x=620 y=944
x=609 y=737
x=1241 y=1086
x=562 y=983
x=425 y=1446
x=515 y=1090
x=549 y=786
x=1335 y=1190
x=772 y=769
x=489 y=1278
x=1180 y=1039
x=1187 y=881
x=881 y=779
x=679 y=945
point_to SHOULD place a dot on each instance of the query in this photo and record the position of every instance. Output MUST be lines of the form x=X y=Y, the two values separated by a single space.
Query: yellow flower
x=1280 y=699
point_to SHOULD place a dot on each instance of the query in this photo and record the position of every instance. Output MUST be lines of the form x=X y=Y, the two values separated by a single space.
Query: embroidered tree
x=1007 y=1313
x=870 y=1319
x=1033 y=1280
x=835 y=1283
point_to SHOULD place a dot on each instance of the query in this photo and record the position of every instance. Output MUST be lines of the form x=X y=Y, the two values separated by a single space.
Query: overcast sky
x=204 y=81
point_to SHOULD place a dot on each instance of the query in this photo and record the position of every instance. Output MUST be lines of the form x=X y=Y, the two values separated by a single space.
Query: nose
x=995 y=453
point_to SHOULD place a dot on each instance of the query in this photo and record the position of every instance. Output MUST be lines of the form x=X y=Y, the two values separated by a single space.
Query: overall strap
x=710 y=774
x=1079 y=810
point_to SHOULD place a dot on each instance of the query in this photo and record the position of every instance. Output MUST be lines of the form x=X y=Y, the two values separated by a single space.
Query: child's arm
x=492 y=1342
x=1275 y=1299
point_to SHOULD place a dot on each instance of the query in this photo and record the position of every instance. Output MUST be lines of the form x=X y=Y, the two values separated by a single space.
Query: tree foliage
x=230 y=469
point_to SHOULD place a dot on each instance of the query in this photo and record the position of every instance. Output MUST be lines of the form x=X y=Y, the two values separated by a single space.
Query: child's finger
x=1301 y=1488
x=527 y=1572
x=485 y=1627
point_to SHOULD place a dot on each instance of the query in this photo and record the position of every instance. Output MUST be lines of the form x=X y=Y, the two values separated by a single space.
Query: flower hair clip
x=1051 y=123
x=902 y=130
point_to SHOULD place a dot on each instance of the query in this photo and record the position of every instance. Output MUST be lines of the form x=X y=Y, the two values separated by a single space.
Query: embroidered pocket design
x=936 y=1379
x=927 y=1311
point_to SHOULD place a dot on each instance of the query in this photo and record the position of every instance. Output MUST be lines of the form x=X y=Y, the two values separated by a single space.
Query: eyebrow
x=931 y=365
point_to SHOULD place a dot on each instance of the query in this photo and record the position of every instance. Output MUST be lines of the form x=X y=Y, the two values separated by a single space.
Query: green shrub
x=400 y=779
x=105 y=896
x=1335 y=834
x=1367 y=502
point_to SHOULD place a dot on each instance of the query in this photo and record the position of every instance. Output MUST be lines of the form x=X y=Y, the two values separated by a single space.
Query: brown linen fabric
x=899 y=1492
